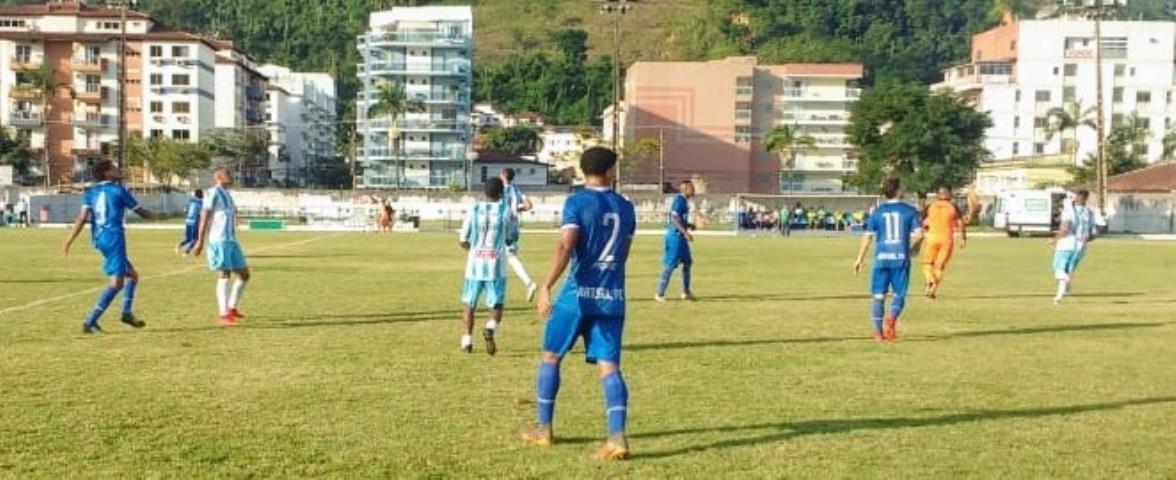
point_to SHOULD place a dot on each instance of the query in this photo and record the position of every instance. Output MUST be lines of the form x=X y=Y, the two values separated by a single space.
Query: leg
x=663 y=281
x=879 y=284
x=132 y=280
x=104 y=300
x=1061 y=267
x=516 y=264
x=942 y=258
x=491 y=329
x=222 y=293
x=238 y=290
x=603 y=345
x=547 y=387
x=687 y=292
x=470 y=293
x=899 y=282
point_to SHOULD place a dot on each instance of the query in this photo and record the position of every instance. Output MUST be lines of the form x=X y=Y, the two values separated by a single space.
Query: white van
x=1027 y=212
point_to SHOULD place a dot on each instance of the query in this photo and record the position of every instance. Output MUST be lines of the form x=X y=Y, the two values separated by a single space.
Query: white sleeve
x=464 y=235
x=209 y=199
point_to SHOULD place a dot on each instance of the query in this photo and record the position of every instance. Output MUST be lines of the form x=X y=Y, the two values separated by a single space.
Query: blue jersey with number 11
x=892 y=224
x=607 y=223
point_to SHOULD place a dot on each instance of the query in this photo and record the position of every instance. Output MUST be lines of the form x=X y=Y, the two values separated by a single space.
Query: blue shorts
x=894 y=279
x=602 y=335
x=1065 y=262
x=677 y=251
x=114 y=256
x=495 y=290
x=226 y=256
x=189 y=234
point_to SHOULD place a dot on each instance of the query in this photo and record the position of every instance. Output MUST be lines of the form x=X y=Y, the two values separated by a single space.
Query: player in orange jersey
x=941 y=222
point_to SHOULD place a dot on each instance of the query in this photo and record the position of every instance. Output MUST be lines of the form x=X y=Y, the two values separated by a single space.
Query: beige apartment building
x=713 y=116
x=170 y=82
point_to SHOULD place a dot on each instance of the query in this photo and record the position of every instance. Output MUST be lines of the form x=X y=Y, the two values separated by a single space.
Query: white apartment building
x=427 y=51
x=240 y=91
x=1022 y=69
x=179 y=93
x=302 y=121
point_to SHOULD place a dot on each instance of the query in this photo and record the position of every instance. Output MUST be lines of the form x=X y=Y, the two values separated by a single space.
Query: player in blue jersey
x=597 y=230
x=218 y=230
x=191 y=222
x=487 y=230
x=897 y=229
x=1077 y=231
x=518 y=204
x=678 y=238
x=104 y=206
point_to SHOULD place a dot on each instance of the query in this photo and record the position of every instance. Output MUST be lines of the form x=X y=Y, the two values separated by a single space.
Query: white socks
x=235 y=297
x=222 y=295
x=492 y=325
x=1063 y=289
x=519 y=269
x=466 y=341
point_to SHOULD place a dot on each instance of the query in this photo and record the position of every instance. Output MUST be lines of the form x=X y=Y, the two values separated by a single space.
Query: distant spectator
x=22 y=212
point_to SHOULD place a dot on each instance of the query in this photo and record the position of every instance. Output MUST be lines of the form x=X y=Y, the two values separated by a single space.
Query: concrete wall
x=1142 y=213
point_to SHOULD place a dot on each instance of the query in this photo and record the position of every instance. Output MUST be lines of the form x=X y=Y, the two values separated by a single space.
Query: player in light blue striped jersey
x=1076 y=233
x=488 y=228
x=218 y=230
x=519 y=204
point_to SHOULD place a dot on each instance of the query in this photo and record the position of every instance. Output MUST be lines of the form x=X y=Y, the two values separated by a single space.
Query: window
x=181 y=107
x=1017 y=122
x=1018 y=95
x=24 y=54
x=1168 y=123
x=1142 y=97
x=107 y=25
x=1071 y=70
x=181 y=134
x=1117 y=95
x=1042 y=96
x=742 y=134
x=181 y=80
x=1016 y=148
x=156 y=133
x=1120 y=70
x=1055 y=70
x=1039 y=148
x=156 y=51
x=156 y=107
x=1142 y=149
x=157 y=79
x=11 y=23
x=1040 y=122
x=180 y=51
x=93 y=83
x=1069 y=94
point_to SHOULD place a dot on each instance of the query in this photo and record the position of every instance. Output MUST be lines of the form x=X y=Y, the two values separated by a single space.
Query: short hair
x=509 y=173
x=198 y=193
x=597 y=161
x=220 y=169
x=945 y=187
x=494 y=188
x=1082 y=193
x=101 y=168
x=686 y=182
x=891 y=187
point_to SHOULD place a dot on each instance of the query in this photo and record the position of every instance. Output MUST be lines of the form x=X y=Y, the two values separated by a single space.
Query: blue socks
x=663 y=281
x=686 y=278
x=897 y=306
x=104 y=300
x=879 y=306
x=548 y=388
x=129 y=296
x=616 y=402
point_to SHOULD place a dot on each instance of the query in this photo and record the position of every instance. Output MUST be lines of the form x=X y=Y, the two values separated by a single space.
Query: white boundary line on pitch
x=173 y=273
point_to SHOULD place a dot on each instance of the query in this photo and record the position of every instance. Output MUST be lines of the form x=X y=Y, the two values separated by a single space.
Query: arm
x=79 y=224
x=963 y=226
x=202 y=231
x=867 y=240
x=568 y=237
x=145 y=213
x=526 y=206
x=1063 y=232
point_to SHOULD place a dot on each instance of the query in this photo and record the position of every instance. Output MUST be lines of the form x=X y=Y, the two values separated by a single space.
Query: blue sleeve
x=571 y=214
x=914 y=223
x=129 y=201
x=630 y=218
x=679 y=207
x=872 y=222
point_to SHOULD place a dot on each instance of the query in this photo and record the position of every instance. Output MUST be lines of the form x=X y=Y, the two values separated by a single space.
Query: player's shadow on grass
x=783 y=431
x=927 y=338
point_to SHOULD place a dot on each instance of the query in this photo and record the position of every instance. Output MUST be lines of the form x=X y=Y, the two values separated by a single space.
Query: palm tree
x=1069 y=119
x=44 y=80
x=392 y=102
x=788 y=142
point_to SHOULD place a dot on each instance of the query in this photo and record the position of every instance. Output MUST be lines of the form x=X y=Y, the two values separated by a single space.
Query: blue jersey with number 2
x=892 y=224
x=607 y=223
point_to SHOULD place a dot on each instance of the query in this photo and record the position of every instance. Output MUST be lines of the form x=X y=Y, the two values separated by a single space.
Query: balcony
x=452 y=68
x=744 y=91
x=822 y=95
x=791 y=118
x=91 y=150
x=19 y=118
x=742 y=117
x=93 y=121
x=434 y=125
x=92 y=94
x=24 y=92
x=254 y=116
x=24 y=63
x=435 y=97
x=166 y=62
x=402 y=39
x=89 y=65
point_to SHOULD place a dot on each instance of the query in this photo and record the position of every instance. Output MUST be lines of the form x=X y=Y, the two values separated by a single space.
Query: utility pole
x=354 y=154
x=661 y=159
x=1098 y=10
x=617 y=10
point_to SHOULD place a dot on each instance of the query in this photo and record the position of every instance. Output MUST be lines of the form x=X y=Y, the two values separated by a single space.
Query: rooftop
x=1160 y=178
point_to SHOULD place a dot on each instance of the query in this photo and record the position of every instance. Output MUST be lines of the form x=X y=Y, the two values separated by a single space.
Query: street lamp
x=617 y=10
x=1097 y=10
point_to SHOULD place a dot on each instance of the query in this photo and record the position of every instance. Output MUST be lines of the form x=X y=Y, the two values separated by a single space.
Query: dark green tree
x=520 y=140
x=14 y=151
x=1125 y=146
x=925 y=139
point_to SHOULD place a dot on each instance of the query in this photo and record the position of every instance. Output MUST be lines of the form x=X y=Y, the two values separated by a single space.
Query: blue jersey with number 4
x=892 y=224
x=607 y=223
x=108 y=203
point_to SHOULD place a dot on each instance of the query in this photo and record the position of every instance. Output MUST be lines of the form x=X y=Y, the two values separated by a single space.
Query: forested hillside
x=549 y=55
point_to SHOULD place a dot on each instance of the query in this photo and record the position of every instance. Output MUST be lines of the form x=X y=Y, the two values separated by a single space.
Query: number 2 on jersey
x=609 y=253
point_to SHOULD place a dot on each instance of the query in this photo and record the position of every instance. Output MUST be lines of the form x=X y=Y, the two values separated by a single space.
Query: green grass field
x=348 y=367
